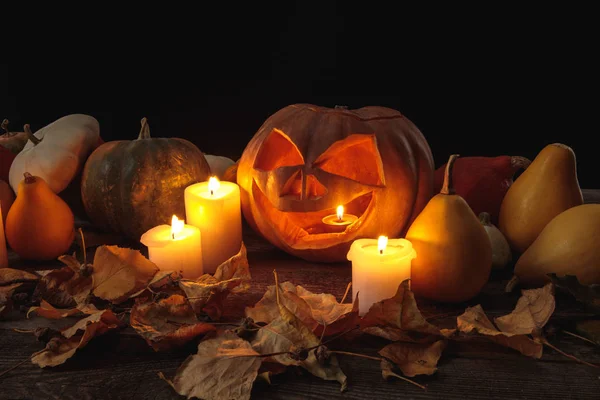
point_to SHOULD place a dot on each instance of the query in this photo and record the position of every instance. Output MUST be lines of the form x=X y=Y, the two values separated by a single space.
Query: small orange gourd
x=39 y=225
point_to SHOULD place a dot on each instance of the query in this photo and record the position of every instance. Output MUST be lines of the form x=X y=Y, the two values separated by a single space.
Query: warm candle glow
x=213 y=184
x=176 y=226
x=382 y=243
x=340 y=213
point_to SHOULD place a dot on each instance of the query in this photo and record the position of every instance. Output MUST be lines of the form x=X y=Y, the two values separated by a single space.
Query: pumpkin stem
x=4 y=125
x=30 y=135
x=485 y=218
x=340 y=107
x=448 y=187
x=144 y=130
x=29 y=178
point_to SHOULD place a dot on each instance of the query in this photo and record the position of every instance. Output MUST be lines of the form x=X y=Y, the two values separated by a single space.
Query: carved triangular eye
x=278 y=151
x=355 y=157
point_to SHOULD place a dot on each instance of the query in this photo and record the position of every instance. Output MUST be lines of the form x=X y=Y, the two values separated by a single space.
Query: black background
x=476 y=82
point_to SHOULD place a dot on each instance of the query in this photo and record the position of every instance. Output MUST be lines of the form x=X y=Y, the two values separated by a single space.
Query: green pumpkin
x=130 y=186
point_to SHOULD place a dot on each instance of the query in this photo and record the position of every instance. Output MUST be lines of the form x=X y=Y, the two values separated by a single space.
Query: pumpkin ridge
x=346 y=113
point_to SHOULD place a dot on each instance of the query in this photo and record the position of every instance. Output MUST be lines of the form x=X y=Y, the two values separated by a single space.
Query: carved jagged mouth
x=305 y=230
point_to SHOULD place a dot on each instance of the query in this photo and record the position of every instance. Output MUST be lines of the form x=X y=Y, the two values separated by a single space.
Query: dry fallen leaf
x=533 y=310
x=224 y=368
x=168 y=323
x=11 y=281
x=65 y=287
x=586 y=294
x=61 y=348
x=413 y=358
x=474 y=321
x=46 y=310
x=277 y=337
x=317 y=311
x=118 y=273
x=208 y=293
x=399 y=318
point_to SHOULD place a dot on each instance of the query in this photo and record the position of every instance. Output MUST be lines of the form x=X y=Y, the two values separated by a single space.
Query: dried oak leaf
x=61 y=348
x=415 y=358
x=168 y=323
x=208 y=293
x=224 y=368
x=586 y=294
x=317 y=311
x=474 y=321
x=11 y=281
x=533 y=310
x=399 y=319
x=65 y=287
x=46 y=310
x=119 y=273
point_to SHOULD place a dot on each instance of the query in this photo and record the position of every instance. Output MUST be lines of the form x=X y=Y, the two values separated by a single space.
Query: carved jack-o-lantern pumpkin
x=306 y=160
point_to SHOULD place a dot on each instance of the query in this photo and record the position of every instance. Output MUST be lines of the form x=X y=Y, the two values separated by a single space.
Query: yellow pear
x=546 y=188
x=454 y=253
x=568 y=245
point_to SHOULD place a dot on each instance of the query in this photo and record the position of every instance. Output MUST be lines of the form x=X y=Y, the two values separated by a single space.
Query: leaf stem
x=406 y=379
x=572 y=357
x=23 y=330
x=581 y=337
x=276 y=286
x=346 y=293
x=347 y=353
x=14 y=367
x=83 y=247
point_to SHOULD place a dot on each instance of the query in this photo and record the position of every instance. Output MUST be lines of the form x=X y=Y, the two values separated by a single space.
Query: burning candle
x=378 y=268
x=339 y=221
x=177 y=247
x=214 y=207
x=3 y=252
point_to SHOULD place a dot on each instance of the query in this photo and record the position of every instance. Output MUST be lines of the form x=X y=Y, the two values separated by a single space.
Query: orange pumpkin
x=306 y=160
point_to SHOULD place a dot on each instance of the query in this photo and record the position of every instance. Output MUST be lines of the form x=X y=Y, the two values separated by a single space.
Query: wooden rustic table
x=123 y=366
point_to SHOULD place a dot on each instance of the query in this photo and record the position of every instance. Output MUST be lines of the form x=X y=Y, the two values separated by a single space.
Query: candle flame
x=340 y=212
x=382 y=243
x=213 y=184
x=176 y=226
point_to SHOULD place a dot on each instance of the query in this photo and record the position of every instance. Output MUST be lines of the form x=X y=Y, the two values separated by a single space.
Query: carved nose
x=301 y=188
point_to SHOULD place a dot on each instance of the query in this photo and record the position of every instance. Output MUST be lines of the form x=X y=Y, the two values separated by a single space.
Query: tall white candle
x=3 y=252
x=214 y=207
x=378 y=268
x=177 y=247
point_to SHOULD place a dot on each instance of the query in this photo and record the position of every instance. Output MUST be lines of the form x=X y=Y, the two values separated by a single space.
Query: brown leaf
x=64 y=287
x=60 y=349
x=224 y=368
x=586 y=294
x=119 y=273
x=46 y=310
x=276 y=337
x=317 y=311
x=415 y=359
x=208 y=293
x=533 y=310
x=167 y=324
x=474 y=321
x=12 y=281
x=398 y=317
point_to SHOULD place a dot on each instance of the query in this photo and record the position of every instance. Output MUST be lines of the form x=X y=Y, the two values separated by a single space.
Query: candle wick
x=211 y=192
x=381 y=251
x=173 y=235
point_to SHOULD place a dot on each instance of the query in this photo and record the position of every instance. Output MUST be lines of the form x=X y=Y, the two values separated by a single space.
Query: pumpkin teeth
x=312 y=234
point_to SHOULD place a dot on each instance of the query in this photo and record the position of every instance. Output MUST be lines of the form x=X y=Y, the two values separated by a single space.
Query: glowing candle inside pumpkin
x=214 y=207
x=3 y=252
x=378 y=268
x=339 y=221
x=176 y=247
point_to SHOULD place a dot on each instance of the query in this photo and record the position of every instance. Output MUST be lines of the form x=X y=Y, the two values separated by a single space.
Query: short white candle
x=378 y=268
x=214 y=207
x=3 y=252
x=177 y=247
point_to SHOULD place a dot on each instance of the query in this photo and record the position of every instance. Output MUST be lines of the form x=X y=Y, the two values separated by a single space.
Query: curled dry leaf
x=119 y=273
x=586 y=294
x=46 y=310
x=65 y=287
x=317 y=311
x=224 y=368
x=208 y=293
x=415 y=358
x=60 y=348
x=533 y=310
x=11 y=282
x=474 y=321
x=399 y=318
x=168 y=323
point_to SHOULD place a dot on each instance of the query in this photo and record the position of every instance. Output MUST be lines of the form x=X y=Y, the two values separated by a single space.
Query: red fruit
x=6 y=159
x=483 y=181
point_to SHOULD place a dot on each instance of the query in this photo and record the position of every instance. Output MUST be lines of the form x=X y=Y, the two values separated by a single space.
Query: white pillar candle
x=378 y=268
x=214 y=207
x=3 y=252
x=177 y=247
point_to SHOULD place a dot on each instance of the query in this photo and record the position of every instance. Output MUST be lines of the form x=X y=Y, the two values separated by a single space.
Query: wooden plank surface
x=122 y=366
